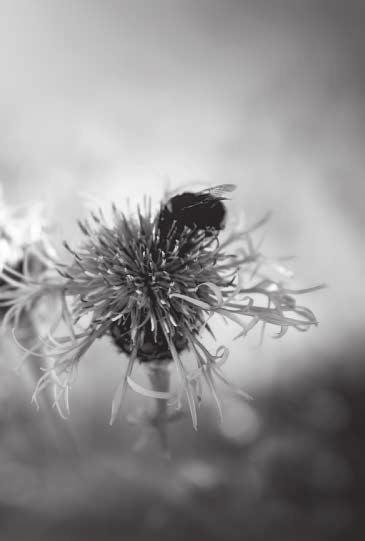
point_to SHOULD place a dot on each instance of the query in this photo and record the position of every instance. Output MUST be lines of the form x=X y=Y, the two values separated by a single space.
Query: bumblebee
x=201 y=211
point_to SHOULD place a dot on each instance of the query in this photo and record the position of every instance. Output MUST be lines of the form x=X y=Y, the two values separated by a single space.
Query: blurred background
x=104 y=100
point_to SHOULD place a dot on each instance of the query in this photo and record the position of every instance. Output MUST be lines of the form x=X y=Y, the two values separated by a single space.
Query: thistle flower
x=152 y=282
x=25 y=256
x=24 y=248
x=25 y=253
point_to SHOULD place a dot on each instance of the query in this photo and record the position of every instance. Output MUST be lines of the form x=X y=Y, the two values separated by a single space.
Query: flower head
x=21 y=229
x=25 y=253
x=153 y=282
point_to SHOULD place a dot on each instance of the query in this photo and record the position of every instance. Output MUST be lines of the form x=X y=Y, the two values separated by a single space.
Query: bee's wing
x=194 y=187
x=218 y=192
x=221 y=189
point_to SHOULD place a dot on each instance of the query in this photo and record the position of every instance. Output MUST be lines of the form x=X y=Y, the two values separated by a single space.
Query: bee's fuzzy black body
x=198 y=211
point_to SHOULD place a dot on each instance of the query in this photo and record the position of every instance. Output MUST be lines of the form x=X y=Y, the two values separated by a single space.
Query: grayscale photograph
x=182 y=304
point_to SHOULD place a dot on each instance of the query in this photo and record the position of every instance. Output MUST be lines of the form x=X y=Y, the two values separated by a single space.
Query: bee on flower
x=152 y=281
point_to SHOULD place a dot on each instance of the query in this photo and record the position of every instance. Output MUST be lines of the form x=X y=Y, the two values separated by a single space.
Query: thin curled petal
x=216 y=291
x=121 y=389
x=150 y=393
